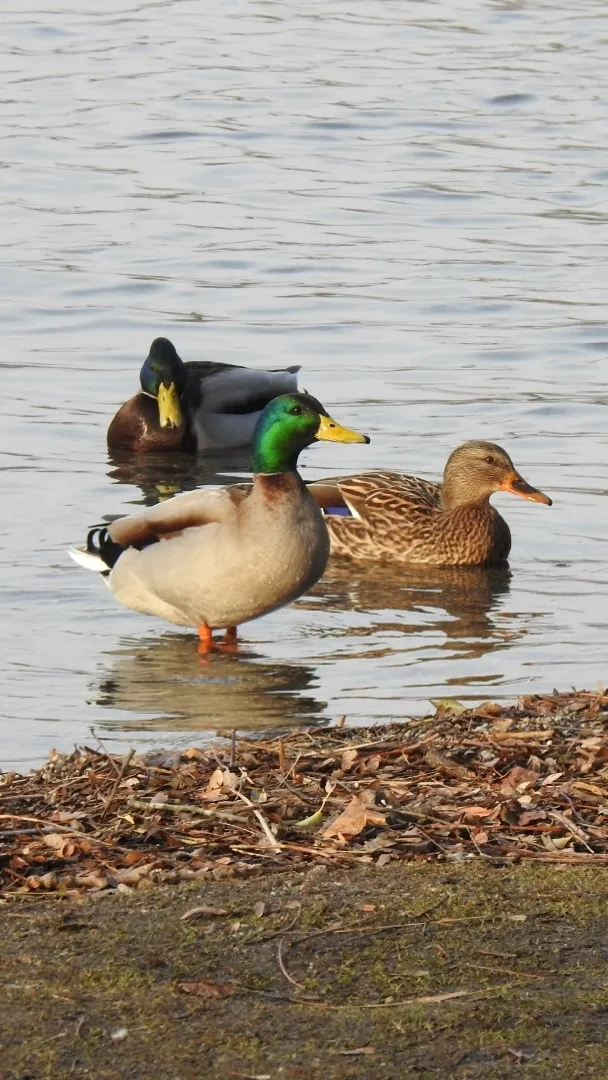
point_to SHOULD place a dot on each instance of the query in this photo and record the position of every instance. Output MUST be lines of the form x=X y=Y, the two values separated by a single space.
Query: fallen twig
x=284 y=969
x=110 y=798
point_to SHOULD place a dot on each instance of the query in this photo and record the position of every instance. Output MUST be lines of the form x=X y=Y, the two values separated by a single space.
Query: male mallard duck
x=395 y=518
x=200 y=405
x=221 y=556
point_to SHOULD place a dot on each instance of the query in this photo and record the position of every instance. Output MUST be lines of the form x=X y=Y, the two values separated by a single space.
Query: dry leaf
x=348 y=759
x=556 y=843
x=551 y=778
x=504 y=724
x=216 y=783
x=479 y=836
x=354 y=819
x=206 y=989
x=63 y=845
x=594 y=742
x=593 y=789
x=133 y=857
x=92 y=880
x=476 y=813
x=530 y=816
x=447 y=765
x=517 y=780
x=42 y=881
x=259 y=909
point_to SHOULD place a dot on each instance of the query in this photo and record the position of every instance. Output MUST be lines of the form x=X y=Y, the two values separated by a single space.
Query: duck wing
x=366 y=495
x=224 y=403
x=369 y=515
x=173 y=516
x=234 y=389
x=106 y=543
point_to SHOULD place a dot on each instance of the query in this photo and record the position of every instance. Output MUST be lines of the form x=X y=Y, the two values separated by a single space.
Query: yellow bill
x=169 y=410
x=331 y=431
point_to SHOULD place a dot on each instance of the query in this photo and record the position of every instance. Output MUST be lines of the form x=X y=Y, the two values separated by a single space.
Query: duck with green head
x=195 y=406
x=221 y=556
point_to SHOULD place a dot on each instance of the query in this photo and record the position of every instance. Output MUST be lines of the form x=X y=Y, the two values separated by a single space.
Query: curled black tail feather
x=99 y=542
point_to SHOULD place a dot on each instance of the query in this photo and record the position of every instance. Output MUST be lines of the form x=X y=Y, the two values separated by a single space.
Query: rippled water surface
x=410 y=200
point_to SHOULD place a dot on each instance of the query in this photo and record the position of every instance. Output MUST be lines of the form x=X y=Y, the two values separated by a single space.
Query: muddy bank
x=463 y=970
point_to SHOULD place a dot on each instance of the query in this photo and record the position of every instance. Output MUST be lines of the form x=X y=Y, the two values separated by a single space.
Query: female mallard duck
x=219 y=557
x=195 y=406
x=395 y=518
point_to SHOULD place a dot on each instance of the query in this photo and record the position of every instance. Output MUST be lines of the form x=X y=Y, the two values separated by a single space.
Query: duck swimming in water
x=196 y=406
x=391 y=517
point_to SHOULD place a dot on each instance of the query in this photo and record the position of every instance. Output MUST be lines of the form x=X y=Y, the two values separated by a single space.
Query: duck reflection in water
x=460 y=602
x=159 y=476
x=164 y=678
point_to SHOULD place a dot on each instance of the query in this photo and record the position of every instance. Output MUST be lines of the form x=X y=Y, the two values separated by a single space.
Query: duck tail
x=100 y=552
x=84 y=558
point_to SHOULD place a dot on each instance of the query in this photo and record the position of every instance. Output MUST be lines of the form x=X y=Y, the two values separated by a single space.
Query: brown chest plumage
x=136 y=427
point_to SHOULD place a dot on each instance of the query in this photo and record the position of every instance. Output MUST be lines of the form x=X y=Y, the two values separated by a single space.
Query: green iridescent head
x=288 y=424
x=163 y=376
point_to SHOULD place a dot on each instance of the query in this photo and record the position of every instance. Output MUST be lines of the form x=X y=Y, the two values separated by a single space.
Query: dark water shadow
x=159 y=476
x=165 y=678
x=460 y=602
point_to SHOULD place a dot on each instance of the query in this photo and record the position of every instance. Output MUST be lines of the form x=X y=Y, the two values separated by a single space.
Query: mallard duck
x=200 y=405
x=222 y=556
x=395 y=518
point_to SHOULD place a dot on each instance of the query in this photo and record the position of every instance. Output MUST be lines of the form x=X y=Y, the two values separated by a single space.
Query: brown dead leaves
x=354 y=819
x=527 y=781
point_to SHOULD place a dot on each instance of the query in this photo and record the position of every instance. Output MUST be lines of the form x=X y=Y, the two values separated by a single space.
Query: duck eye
x=297 y=410
x=489 y=460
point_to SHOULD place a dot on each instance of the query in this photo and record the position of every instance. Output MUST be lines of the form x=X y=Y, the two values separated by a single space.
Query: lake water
x=409 y=199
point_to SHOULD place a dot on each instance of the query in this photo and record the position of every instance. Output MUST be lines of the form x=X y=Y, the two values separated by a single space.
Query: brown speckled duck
x=389 y=517
x=196 y=406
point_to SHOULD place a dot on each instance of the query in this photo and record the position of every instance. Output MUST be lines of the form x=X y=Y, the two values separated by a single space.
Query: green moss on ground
x=89 y=988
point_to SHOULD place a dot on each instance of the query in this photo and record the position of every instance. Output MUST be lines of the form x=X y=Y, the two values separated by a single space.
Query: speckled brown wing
x=399 y=518
x=388 y=493
x=387 y=507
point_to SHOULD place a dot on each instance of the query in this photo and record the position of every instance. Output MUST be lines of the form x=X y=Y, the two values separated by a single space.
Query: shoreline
x=503 y=783
x=404 y=901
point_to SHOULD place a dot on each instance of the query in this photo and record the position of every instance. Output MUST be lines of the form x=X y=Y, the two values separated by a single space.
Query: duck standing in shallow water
x=390 y=517
x=196 y=406
x=221 y=556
